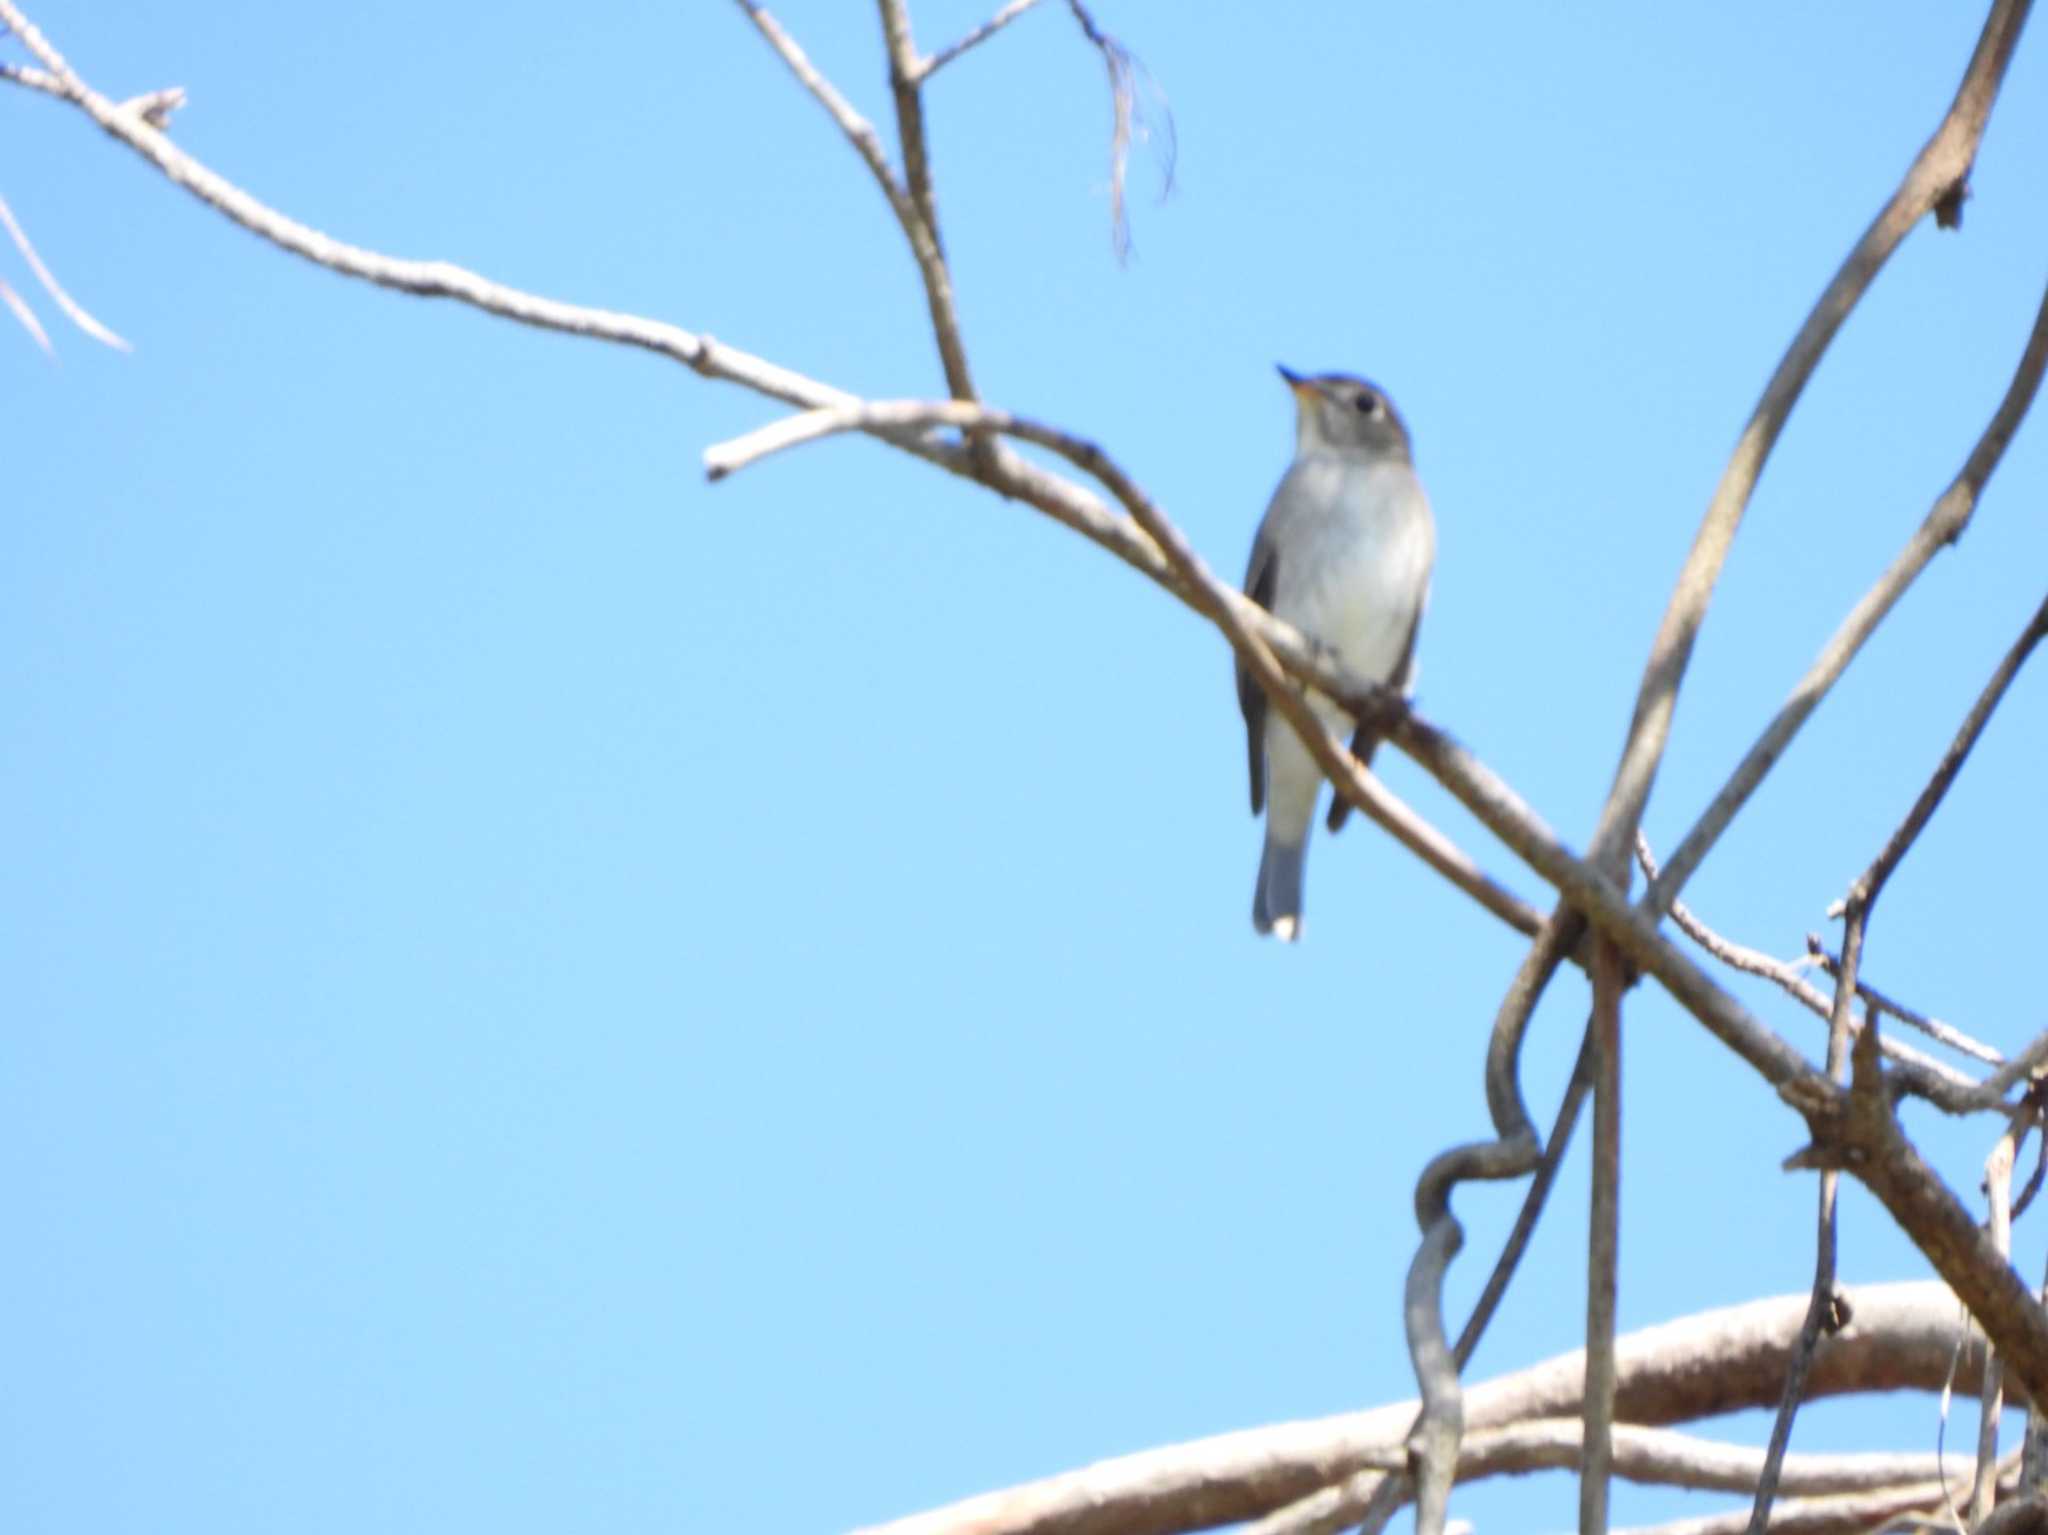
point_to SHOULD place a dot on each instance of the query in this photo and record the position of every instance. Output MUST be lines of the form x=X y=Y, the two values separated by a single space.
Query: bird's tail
x=1276 y=901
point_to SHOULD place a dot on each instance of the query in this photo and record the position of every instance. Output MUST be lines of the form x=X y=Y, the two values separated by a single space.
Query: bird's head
x=1337 y=413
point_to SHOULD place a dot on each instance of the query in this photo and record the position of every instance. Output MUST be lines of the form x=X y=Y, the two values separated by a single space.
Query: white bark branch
x=1901 y=1337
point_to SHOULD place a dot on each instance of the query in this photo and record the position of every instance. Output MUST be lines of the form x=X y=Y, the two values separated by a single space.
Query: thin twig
x=18 y=307
x=1826 y=1310
x=2025 y=1197
x=981 y=34
x=860 y=133
x=1866 y=890
x=73 y=310
x=926 y=248
x=1943 y=525
x=1947 y=1033
x=1998 y=1197
x=1603 y=1244
x=1941 y=1083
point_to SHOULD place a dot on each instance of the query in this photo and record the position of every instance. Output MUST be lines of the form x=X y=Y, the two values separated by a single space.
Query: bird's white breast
x=1359 y=545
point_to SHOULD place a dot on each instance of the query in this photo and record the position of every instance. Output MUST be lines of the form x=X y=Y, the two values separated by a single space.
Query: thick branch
x=1857 y=1514
x=1902 y=1337
x=1858 y=1133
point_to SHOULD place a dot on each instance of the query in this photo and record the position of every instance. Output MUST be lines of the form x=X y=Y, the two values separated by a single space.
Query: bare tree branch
x=1998 y=1196
x=1865 y=892
x=860 y=133
x=1603 y=1248
x=1935 y=174
x=1826 y=1310
x=1942 y=166
x=1943 y=525
x=925 y=244
x=18 y=307
x=981 y=34
x=1947 y=1033
x=1652 y=1456
x=1858 y=1132
x=1368 y=1498
x=1940 y=1083
x=73 y=310
x=1901 y=1338
x=1858 y=1514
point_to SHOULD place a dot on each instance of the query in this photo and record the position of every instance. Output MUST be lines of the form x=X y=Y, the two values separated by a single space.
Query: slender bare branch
x=1868 y=888
x=1603 y=1246
x=860 y=133
x=35 y=79
x=1826 y=1310
x=923 y=231
x=1998 y=1197
x=2039 y=1175
x=1942 y=166
x=1943 y=525
x=1934 y=1080
x=1947 y=1033
x=2023 y=1066
x=981 y=34
x=18 y=307
x=1861 y=1132
x=1369 y=1499
x=73 y=310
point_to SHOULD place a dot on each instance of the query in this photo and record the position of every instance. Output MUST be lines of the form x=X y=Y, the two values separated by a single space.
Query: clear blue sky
x=542 y=994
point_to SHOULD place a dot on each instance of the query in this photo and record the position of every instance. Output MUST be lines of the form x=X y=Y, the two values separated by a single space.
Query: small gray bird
x=1344 y=555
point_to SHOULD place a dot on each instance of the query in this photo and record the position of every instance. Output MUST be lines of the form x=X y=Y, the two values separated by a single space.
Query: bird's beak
x=1299 y=383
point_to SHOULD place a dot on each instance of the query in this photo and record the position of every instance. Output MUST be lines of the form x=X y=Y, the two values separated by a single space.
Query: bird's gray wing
x=1365 y=742
x=1259 y=577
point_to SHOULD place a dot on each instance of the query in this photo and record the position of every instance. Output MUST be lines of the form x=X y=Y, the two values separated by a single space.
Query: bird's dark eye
x=1368 y=404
